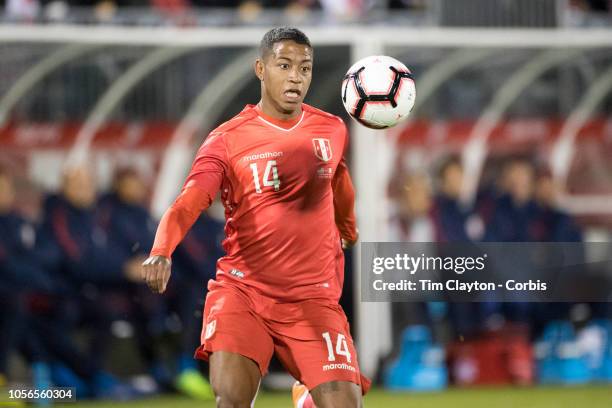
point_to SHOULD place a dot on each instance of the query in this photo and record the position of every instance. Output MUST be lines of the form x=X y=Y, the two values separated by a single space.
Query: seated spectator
x=553 y=224
x=129 y=228
x=19 y=277
x=32 y=302
x=194 y=263
x=22 y=10
x=124 y=218
x=177 y=12
x=72 y=245
x=413 y=220
x=19 y=267
x=79 y=255
x=515 y=211
x=514 y=219
x=412 y=223
x=454 y=221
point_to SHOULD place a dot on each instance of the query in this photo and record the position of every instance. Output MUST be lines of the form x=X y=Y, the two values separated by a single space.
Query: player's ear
x=259 y=68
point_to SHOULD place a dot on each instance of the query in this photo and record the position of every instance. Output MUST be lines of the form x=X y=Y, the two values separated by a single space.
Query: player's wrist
x=158 y=258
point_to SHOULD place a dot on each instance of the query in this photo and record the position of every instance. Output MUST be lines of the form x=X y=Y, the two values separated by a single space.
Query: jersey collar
x=284 y=125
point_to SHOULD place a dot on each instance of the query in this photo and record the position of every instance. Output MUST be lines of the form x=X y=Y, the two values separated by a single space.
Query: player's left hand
x=346 y=244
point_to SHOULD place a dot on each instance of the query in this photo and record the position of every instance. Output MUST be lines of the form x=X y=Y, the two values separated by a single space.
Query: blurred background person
x=194 y=264
x=129 y=229
x=413 y=221
x=27 y=294
x=77 y=253
x=19 y=277
x=514 y=219
x=455 y=221
x=22 y=10
x=553 y=223
x=515 y=210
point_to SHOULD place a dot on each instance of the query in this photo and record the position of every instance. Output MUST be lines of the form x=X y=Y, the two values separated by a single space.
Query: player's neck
x=269 y=112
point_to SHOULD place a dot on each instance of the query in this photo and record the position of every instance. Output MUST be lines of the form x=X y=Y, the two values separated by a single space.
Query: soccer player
x=288 y=201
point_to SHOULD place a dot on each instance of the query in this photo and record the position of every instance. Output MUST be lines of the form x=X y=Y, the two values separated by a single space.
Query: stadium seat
x=420 y=365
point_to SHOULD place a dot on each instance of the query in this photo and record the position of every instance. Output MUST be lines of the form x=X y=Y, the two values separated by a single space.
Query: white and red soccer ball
x=378 y=92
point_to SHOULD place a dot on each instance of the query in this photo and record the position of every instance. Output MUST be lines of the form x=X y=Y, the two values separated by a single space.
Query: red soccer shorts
x=310 y=338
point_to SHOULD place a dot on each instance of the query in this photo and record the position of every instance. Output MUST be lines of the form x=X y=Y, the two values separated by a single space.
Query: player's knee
x=232 y=401
x=232 y=398
x=337 y=394
x=228 y=394
x=234 y=379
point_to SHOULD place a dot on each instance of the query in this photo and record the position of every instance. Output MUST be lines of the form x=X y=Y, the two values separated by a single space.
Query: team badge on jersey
x=210 y=329
x=322 y=148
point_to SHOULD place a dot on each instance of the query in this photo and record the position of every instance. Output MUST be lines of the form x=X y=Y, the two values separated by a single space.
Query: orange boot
x=301 y=396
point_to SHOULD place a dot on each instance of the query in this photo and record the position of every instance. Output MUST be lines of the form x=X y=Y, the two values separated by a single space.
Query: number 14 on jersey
x=270 y=176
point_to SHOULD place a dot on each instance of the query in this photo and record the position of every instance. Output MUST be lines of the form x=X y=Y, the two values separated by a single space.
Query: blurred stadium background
x=103 y=104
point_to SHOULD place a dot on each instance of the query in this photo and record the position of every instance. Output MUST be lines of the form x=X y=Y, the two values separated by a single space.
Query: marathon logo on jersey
x=237 y=273
x=322 y=149
x=264 y=155
x=339 y=366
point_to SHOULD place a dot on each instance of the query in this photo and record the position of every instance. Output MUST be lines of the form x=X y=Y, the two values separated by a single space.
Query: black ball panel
x=364 y=97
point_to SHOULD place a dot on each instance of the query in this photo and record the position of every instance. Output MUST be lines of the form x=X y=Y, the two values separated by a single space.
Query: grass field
x=540 y=397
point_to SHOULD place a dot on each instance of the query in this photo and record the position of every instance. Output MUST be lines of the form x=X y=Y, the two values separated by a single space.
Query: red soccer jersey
x=288 y=199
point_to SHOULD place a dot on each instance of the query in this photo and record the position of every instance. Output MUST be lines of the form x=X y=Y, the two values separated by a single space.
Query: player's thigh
x=337 y=394
x=234 y=379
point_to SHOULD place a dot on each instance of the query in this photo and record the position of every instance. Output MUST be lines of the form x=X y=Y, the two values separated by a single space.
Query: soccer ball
x=378 y=92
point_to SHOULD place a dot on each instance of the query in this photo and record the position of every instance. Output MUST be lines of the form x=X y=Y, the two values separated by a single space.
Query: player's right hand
x=156 y=272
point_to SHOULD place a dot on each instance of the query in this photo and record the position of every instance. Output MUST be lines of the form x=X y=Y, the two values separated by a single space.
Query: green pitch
x=540 y=397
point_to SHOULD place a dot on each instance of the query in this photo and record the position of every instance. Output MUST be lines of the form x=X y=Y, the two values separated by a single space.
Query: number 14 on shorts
x=341 y=347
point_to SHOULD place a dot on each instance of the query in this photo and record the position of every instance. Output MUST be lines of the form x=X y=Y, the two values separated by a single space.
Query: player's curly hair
x=281 y=34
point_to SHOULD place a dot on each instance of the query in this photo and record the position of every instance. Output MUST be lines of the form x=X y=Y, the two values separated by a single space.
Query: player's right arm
x=201 y=186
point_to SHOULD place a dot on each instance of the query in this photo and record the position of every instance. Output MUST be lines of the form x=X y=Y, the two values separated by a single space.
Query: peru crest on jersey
x=322 y=149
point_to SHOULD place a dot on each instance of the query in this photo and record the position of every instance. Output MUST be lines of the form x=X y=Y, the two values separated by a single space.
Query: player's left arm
x=344 y=202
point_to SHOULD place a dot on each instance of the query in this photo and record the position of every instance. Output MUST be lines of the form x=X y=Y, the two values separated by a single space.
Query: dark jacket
x=196 y=257
x=20 y=269
x=129 y=227
x=450 y=219
x=556 y=226
x=512 y=223
x=74 y=247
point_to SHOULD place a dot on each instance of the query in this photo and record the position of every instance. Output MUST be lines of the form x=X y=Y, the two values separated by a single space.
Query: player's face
x=285 y=73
